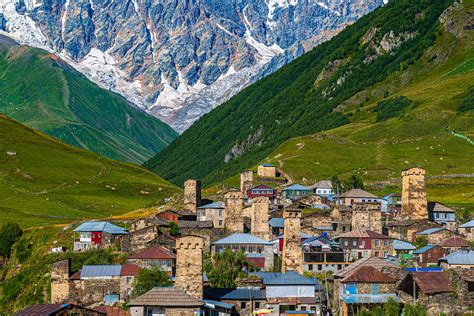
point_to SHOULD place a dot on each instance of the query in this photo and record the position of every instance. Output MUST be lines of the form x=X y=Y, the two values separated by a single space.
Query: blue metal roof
x=267 y=165
x=402 y=245
x=298 y=187
x=212 y=304
x=369 y=298
x=424 y=249
x=429 y=231
x=98 y=271
x=217 y=204
x=105 y=227
x=288 y=278
x=460 y=257
x=242 y=239
x=432 y=269
x=255 y=255
x=468 y=224
x=276 y=222
x=234 y=294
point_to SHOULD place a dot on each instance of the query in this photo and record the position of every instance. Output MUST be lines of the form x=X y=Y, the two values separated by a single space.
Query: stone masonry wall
x=414 y=203
x=234 y=219
x=367 y=216
x=246 y=181
x=192 y=194
x=259 y=218
x=292 y=254
x=60 y=281
x=189 y=265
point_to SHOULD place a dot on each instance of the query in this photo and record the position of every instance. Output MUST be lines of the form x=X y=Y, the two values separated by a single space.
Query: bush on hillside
x=468 y=103
x=9 y=234
x=225 y=267
x=394 y=107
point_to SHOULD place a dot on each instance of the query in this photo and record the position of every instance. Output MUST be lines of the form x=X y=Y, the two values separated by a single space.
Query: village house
x=324 y=188
x=165 y=301
x=177 y=215
x=394 y=199
x=454 y=243
x=365 y=288
x=277 y=225
x=263 y=190
x=467 y=230
x=243 y=300
x=58 y=310
x=402 y=248
x=442 y=214
x=429 y=255
x=147 y=232
x=156 y=256
x=341 y=216
x=459 y=259
x=463 y=284
x=321 y=254
x=364 y=243
x=360 y=196
x=314 y=219
x=295 y=191
x=407 y=229
x=92 y=235
x=435 y=235
x=256 y=250
x=266 y=170
x=214 y=212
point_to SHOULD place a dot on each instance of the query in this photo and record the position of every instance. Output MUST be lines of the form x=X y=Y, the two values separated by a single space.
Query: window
x=346 y=243
x=221 y=212
x=243 y=305
x=377 y=243
x=437 y=215
x=320 y=267
x=303 y=308
x=385 y=243
x=354 y=243
x=339 y=266
x=221 y=222
x=257 y=305
x=310 y=267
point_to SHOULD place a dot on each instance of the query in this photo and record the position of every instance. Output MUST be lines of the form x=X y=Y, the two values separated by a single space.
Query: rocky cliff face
x=177 y=59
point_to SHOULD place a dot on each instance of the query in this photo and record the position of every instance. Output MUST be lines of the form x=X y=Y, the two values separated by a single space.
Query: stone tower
x=259 y=217
x=246 y=181
x=192 y=194
x=292 y=254
x=189 y=265
x=414 y=203
x=60 y=281
x=234 y=216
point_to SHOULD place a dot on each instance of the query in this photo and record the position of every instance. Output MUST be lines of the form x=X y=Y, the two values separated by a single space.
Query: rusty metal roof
x=433 y=282
x=454 y=241
x=166 y=296
x=156 y=252
x=368 y=274
x=52 y=309
x=375 y=262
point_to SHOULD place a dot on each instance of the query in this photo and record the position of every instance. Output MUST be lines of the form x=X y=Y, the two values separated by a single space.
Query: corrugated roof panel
x=101 y=271
x=468 y=224
x=101 y=227
x=402 y=245
x=277 y=222
x=297 y=186
x=242 y=239
x=288 y=278
x=464 y=257
x=429 y=231
x=423 y=249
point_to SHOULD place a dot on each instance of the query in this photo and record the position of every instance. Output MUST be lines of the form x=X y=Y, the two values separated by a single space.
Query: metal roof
x=51 y=309
x=438 y=207
x=432 y=282
x=363 y=233
x=454 y=241
x=402 y=245
x=423 y=249
x=368 y=274
x=242 y=239
x=276 y=222
x=234 y=294
x=287 y=278
x=166 y=296
x=468 y=224
x=212 y=304
x=297 y=186
x=105 y=227
x=372 y=261
x=213 y=205
x=460 y=257
x=369 y=298
x=101 y=271
x=430 y=231
x=358 y=193
x=157 y=252
x=255 y=255
x=267 y=165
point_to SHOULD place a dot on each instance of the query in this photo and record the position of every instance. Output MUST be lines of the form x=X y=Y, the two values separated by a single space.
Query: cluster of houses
x=313 y=252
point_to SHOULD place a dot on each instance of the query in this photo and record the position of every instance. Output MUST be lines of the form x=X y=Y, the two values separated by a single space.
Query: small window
x=310 y=267
x=221 y=223
x=346 y=243
x=354 y=243
x=377 y=242
x=385 y=243
x=257 y=305
x=243 y=305
x=320 y=267
x=220 y=212
x=303 y=308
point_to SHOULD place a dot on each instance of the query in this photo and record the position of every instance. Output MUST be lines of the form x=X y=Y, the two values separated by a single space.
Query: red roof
x=129 y=270
x=368 y=274
x=455 y=241
x=112 y=310
x=156 y=252
x=432 y=282
x=76 y=275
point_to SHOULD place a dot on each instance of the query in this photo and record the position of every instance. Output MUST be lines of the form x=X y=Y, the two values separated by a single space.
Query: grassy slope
x=48 y=182
x=40 y=91
x=292 y=102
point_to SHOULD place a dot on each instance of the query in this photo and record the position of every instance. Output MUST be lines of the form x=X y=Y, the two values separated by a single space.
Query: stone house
x=360 y=196
x=462 y=281
x=314 y=219
x=165 y=301
x=366 y=216
x=257 y=250
x=321 y=254
x=266 y=170
x=442 y=214
x=401 y=247
x=58 y=310
x=364 y=243
x=296 y=191
x=144 y=232
x=454 y=243
x=429 y=255
x=204 y=229
x=467 y=230
x=90 y=235
x=214 y=212
x=460 y=259
x=156 y=256
x=365 y=288
x=177 y=215
x=435 y=235
x=341 y=216
x=407 y=229
x=244 y=300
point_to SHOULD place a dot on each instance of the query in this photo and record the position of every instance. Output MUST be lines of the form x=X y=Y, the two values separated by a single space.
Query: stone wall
x=367 y=216
x=266 y=171
x=91 y=291
x=60 y=281
x=438 y=237
x=234 y=217
x=246 y=181
x=384 y=288
x=189 y=265
x=192 y=194
x=292 y=254
x=140 y=239
x=259 y=218
x=414 y=203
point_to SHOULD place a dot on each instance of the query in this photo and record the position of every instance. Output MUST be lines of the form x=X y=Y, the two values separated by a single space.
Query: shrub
x=468 y=103
x=148 y=279
x=392 y=108
x=9 y=234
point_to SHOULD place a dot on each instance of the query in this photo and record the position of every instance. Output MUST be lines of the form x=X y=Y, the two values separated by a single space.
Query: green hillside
x=39 y=90
x=43 y=181
x=399 y=49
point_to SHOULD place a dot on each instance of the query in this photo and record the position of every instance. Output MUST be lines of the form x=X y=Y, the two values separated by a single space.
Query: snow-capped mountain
x=177 y=59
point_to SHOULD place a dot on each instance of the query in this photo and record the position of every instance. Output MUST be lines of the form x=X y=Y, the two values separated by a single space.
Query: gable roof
x=166 y=296
x=358 y=193
x=195 y=224
x=438 y=207
x=454 y=241
x=242 y=239
x=375 y=262
x=129 y=269
x=262 y=186
x=297 y=187
x=462 y=257
x=323 y=184
x=48 y=309
x=432 y=282
x=468 y=224
x=368 y=274
x=287 y=278
x=234 y=294
x=430 y=231
x=363 y=233
x=156 y=252
x=402 y=245
x=424 y=249
x=100 y=271
x=213 y=205
x=105 y=227
x=276 y=222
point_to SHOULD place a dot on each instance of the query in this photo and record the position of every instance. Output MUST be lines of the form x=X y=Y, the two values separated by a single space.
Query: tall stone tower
x=60 y=281
x=259 y=217
x=246 y=181
x=189 y=265
x=234 y=215
x=414 y=203
x=192 y=194
x=292 y=255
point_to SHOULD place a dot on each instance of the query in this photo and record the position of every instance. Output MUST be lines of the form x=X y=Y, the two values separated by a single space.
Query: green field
x=42 y=92
x=44 y=182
